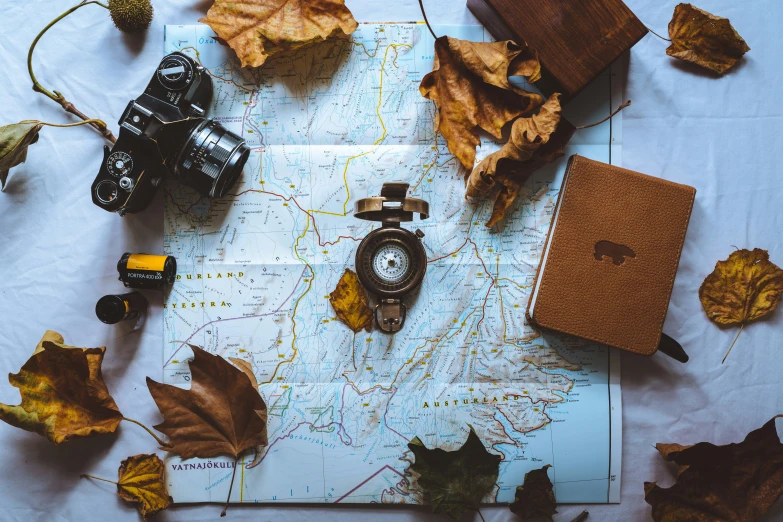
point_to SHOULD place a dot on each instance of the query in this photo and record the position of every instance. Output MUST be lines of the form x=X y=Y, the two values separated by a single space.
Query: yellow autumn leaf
x=142 y=481
x=470 y=85
x=258 y=29
x=63 y=393
x=741 y=289
x=349 y=301
x=704 y=39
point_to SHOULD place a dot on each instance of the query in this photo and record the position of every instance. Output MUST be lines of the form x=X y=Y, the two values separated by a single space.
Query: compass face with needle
x=391 y=263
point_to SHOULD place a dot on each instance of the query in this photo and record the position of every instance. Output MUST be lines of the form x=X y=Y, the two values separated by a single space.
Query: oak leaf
x=534 y=501
x=142 y=481
x=742 y=288
x=349 y=300
x=732 y=483
x=63 y=393
x=469 y=84
x=454 y=481
x=221 y=414
x=258 y=29
x=534 y=142
x=14 y=141
x=704 y=39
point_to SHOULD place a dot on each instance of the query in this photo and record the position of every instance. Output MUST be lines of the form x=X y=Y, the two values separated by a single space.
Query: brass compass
x=391 y=261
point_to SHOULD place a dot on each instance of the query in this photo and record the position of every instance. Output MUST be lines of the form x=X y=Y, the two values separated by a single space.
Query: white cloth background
x=58 y=251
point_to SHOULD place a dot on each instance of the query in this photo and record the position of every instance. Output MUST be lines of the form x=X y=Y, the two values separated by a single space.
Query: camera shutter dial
x=175 y=72
x=119 y=164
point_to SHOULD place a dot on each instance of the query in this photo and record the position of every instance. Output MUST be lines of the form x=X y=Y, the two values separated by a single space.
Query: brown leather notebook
x=609 y=261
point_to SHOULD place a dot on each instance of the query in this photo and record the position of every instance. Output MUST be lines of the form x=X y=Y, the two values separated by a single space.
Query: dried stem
x=421 y=4
x=656 y=34
x=732 y=343
x=56 y=96
x=621 y=107
x=480 y=515
x=233 y=475
x=85 y=475
x=159 y=441
x=64 y=125
x=581 y=517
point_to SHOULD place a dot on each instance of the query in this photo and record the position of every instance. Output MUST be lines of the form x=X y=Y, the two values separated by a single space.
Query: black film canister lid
x=112 y=309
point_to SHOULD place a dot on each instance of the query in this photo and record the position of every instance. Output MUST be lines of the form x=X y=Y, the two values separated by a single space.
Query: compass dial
x=120 y=164
x=390 y=263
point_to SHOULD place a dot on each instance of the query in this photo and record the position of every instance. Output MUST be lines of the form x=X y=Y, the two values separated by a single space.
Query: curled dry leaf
x=455 y=480
x=14 y=141
x=142 y=480
x=534 y=501
x=349 y=300
x=731 y=483
x=534 y=142
x=704 y=39
x=469 y=84
x=63 y=393
x=258 y=29
x=742 y=288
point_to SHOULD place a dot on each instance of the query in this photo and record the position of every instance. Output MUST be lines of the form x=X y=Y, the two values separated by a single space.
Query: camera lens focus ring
x=212 y=159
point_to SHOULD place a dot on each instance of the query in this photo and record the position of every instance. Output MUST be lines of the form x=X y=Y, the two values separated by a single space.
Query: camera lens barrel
x=212 y=159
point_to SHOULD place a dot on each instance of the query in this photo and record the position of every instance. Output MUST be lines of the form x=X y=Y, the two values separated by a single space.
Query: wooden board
x=576 y=40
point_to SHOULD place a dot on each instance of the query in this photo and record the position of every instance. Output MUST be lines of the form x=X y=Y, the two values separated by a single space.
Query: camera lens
x=212 y=159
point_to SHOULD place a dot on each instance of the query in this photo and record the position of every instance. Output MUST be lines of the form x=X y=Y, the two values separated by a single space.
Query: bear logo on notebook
x=617 y=252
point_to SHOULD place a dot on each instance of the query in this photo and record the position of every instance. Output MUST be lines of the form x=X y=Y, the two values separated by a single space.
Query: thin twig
x=56 y=96
x=64 y=125
x=581 y=517
x=228 y=498
x=85 y=475
x=621 y=107
x=480 y=515
x=421 y=4
x=732 y=343
x=656 y=34
x=163 y=444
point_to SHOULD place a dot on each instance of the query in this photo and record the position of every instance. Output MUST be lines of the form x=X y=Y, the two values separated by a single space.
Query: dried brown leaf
x=534 y=501
x=14 y=141
x=142 y=480
x=704 y=39
x=63 y=393
x=731 y=483
x=534 y=142
x=221 y=414
x=349 y=300
x=469 y=84
x=258 y=29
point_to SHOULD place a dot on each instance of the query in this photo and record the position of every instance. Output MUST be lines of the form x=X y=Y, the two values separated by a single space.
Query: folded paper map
x=329 y=124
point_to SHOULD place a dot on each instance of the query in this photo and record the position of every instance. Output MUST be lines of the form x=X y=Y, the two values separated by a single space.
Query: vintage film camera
x=164 y=131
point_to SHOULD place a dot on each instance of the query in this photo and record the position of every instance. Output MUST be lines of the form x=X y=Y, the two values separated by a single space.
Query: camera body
x=164 y=131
